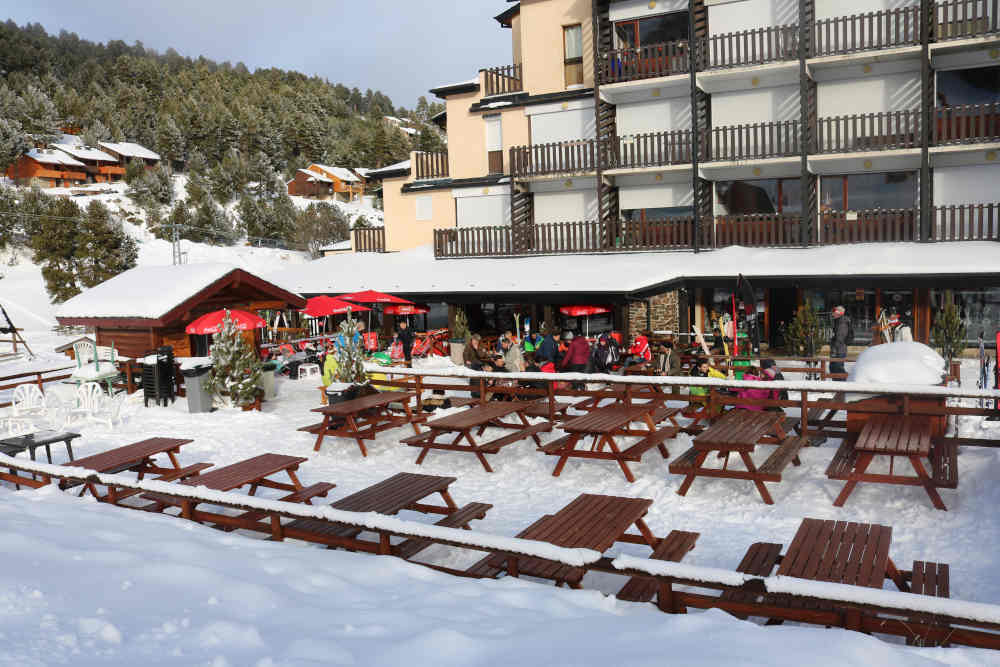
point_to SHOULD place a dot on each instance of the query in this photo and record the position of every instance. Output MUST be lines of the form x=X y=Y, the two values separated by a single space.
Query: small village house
x=307 y=183
x=149 y=306
x=101 y=167
x=346 y=185
x=125 y=151
x=47 y=168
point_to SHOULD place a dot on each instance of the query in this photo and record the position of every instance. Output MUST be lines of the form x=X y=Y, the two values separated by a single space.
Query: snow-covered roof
x=361 y=171
x=81 y=152
x=408 y=130
x=339 y=245
x=148 y=292
x=342 y=173
x=405 y=164
x=129 y=149
x=315 y=176
x=49 y=156
x=416 y=270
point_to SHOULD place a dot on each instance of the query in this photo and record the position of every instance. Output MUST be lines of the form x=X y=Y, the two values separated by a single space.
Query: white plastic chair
x=109 y=410
x=28 y=400
x=55 y=415
x=309 y=370
x=89 y=400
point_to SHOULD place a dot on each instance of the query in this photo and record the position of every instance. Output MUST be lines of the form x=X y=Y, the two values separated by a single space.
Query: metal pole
x=694 y=50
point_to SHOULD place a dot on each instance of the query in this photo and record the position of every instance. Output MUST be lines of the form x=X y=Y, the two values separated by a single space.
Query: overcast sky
x=401 y=47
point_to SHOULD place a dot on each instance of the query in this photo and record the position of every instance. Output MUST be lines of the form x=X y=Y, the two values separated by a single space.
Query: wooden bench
x=684 y=463
x=928 y=579
x=303 y=495
x=673 y=547
x=787 y=452
x=555 y=445
x=490 y=566
x=654 y=439
x=540 y=408
x=843 y=461
x=457 y=519
x=493 y=446
x=758 y=561
x=944 y=465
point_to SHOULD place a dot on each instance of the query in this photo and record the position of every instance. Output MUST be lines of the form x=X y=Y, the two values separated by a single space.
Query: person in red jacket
x=577 y=356
x=639 y=353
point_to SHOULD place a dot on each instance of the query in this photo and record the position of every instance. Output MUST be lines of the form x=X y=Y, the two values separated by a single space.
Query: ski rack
x=15 y=337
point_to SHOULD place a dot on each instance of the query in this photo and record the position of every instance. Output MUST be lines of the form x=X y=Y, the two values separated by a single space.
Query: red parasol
x=584 y=311
x=406 y=309
x=211 y=323
x=321 y=306
x=371 y=296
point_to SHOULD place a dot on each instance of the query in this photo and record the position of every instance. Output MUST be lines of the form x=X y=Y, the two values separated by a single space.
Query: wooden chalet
x=126 y=151
x=48 y=169
x=146 y=307
x=101 y=167
x=308 y=183
x=347 y=186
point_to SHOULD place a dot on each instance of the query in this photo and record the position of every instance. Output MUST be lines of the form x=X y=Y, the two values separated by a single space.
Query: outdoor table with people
x=363 y=418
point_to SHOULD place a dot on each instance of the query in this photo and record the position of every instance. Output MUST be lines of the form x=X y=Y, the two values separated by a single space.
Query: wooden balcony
x=754 y=141
x=431 y=165
x=962 y=19
x=888 y=28
x=369 y=239
x=751 y=47
x=966 y=124
x=971 y=222
x=868 y=132
x=502 y=80
x=651 y=149
x=645 y=62
x=564 y=157
x=871 y=226
x=757 y=230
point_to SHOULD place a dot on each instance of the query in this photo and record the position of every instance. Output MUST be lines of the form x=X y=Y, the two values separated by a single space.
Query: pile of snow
x=898 y=363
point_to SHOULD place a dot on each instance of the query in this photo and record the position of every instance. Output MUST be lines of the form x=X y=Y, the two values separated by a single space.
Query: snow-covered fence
x=918 y=617
x=38 y=378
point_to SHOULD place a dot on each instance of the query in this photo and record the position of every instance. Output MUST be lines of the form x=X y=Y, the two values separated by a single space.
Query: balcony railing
x=751 y=47
x=970 y=222
x=966 y=124
x=502 y=80
x=369 y=239
x=651 y=149
x=756 y=230
x=871 y=226
x=645 y=62
x=868 y=132
x=754 y=141
x=872 y=30
x=958 y=19
x=431 y=165
x=563 y=157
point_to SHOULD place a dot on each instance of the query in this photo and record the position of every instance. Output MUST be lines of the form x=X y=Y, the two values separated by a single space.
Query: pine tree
x=211 y=224
x=37 y=114
x=235 y=370
x=13 y=142
x=948 y=332
x=103 y=248
x=169 y=140
x=350 y=358
x=96 y=133
x=803 y=335
x=320 y=224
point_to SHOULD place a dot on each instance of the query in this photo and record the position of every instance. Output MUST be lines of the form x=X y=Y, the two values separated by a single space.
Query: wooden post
x=710 y=406
x=551 y=388
x=420 y=400
x=482 y=391
x=804 y=409
x=38 y=381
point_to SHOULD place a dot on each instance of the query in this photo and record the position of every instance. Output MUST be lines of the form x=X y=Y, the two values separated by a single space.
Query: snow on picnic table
x=161 y=585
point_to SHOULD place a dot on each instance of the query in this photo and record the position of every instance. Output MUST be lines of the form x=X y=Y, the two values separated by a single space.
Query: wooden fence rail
x=758 y=229
x=369 y=239
x=966 y=124
x=651 y=149
x=957 y=19
x=502 y=80
x=969 y=222
x=431 y=165
x=754 y=140
x=751 y=47
x=38 y=378
x=646 y=62
x=871 y=30
x=866 y=132
x=561 y=157
x=869 y=226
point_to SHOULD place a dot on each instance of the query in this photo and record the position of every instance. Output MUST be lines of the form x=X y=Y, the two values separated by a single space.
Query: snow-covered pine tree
x=350 y=357
x=949 y=330
x=103 y=248
x=13 y=142
x=235 y=370
x=803 y=335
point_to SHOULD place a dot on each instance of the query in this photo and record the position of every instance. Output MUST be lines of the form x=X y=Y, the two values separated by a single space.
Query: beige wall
x=515 y=39
x=467 y=136
x=542 y=24
x=402 y=230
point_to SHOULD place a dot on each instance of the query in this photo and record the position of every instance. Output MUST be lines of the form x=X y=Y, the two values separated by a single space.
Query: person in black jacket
x=547 y=350
x=842 y=334
x=405 y=335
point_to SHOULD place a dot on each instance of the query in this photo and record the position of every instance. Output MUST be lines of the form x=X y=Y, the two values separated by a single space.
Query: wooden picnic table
x=447 y=433
x=403 y=491
x=740 y=431
x=363 y=418
x=590 y=521
x=607 y=423
x=905 y=436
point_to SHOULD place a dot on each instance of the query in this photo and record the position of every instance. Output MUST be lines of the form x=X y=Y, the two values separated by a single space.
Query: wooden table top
x=838 y=551
x=238 y=474
x=345 y=408
x=590 y=521
x=128 y=454
x=39 y=438
x=901 y=435
x=738 y=429
x=608 y=419
x=394 y=494
x=476 y=415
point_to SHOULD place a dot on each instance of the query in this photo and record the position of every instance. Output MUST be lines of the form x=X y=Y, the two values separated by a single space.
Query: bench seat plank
x=673 y=547
x=460 y=518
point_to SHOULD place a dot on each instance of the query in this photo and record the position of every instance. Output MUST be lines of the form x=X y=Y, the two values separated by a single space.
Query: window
x=425 y=208
x=650 y=30
x=656 y=214
x=979 y=309
x=772 y=195
x=494 y=144
x=573 y=54
x=859 y=192
x=980 y=85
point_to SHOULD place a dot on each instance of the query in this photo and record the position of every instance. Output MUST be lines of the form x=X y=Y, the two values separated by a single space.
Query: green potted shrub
x=351 y=380
x=459 y=336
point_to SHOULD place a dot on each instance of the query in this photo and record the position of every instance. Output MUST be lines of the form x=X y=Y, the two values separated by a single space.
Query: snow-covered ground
x=111 y=582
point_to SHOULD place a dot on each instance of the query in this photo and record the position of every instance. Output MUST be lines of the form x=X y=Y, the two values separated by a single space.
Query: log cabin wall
x=128 y=342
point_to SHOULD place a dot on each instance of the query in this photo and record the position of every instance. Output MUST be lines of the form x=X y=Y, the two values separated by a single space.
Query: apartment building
x=807 y=131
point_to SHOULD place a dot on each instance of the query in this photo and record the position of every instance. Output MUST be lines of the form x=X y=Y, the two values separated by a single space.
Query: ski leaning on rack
x=15 y=335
